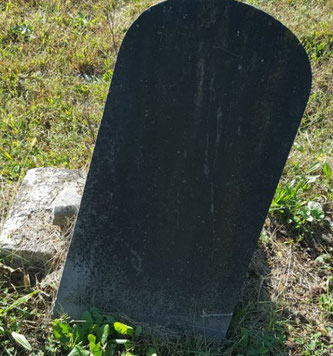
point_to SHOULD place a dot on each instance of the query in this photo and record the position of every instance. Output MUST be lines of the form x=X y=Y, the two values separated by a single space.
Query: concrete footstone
x=46 y=199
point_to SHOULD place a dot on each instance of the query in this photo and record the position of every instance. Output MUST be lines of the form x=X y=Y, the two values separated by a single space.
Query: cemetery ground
x=56 y=64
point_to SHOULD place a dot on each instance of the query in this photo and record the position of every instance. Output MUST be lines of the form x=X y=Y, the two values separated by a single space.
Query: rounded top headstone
x=203 y=107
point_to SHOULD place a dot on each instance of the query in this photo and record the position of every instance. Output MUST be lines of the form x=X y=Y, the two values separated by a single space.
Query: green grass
x=56 y=64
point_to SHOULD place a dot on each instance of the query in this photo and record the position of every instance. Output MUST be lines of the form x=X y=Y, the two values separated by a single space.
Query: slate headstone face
x=203 y=108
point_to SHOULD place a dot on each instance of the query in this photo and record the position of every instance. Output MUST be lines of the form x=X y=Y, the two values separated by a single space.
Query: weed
x=23 y=32
x=318 y=45
x=326 y=300
x=315 y=345
x=292 y=203
x=11 y=311
x=83 y=22
x=96 y=334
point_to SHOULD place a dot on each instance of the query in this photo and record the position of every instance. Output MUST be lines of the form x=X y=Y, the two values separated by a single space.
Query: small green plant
x=314 y=346
x=82 y=21
x=10 y=334
x=312 y=211
x=96 y=334
x=326 y=300
x=292 y=204
x=318 y=45
x=22 y=31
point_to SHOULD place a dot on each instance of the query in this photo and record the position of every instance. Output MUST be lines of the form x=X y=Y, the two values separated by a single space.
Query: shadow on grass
x=258 y=326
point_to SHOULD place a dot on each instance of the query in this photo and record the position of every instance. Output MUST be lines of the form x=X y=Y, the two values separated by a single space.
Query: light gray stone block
x=32 y=233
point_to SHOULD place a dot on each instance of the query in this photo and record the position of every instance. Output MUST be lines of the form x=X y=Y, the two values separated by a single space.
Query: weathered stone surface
x=203 y=108
x=29 y=234
x=67 y=202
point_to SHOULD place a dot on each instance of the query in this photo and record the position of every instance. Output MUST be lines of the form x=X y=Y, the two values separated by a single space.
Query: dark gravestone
x=203 y=108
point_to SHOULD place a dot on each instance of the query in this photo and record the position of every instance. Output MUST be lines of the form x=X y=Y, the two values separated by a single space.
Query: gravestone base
x=33 y=233
x=214 y=326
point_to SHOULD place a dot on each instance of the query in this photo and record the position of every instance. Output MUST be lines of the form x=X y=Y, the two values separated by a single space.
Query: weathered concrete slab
x=46 y=197
x=203 y=108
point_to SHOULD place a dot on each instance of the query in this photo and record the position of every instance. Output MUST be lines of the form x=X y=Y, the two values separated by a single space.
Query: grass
x=56 y=64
